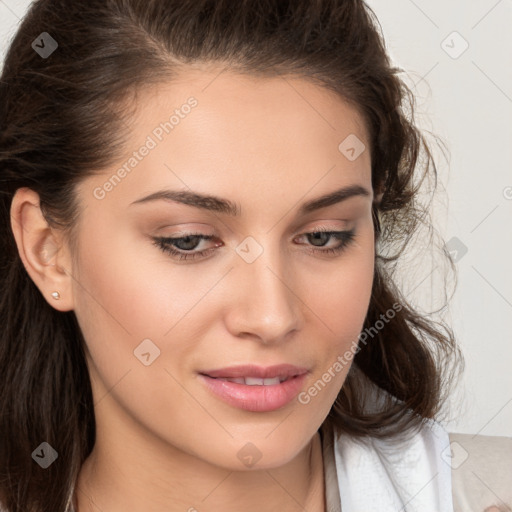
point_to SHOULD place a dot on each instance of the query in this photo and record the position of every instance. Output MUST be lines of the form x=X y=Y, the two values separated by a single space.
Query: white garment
x=410 y=475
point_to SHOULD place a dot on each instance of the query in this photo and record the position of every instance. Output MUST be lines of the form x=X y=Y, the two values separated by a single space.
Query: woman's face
x=252 y=283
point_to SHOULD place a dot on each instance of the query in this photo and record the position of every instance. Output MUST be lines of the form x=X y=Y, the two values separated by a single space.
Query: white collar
x=399 y=475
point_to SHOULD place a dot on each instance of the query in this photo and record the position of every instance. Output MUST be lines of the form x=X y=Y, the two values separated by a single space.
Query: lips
x=254 y=381
x=256 y=388
x=249 y=371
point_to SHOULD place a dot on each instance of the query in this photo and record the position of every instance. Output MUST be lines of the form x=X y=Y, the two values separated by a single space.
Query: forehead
x=212 y=128
x=243 y=101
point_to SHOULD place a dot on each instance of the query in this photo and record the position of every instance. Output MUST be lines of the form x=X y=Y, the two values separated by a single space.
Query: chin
x=255 y=454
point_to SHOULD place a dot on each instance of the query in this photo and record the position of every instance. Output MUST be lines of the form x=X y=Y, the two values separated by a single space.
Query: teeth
x=252 y=381
x=255 y=381
x=238 y=380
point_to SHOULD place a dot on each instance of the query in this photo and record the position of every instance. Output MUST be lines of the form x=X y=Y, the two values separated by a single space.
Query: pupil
x=187 y=241
x=317 y=236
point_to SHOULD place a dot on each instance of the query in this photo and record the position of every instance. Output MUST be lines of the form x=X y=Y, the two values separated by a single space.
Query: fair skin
x=164 y=441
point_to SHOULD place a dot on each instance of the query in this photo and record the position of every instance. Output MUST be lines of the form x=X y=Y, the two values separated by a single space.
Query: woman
x=202 y=204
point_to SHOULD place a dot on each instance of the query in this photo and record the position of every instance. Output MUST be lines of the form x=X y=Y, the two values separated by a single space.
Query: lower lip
x=256 y=398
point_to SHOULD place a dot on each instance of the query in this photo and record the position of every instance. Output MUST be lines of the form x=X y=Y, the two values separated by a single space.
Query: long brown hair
x=61 y=119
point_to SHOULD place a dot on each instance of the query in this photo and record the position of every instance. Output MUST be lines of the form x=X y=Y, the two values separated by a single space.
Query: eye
x=184 y=247
x=321 y=236
x=181 y=247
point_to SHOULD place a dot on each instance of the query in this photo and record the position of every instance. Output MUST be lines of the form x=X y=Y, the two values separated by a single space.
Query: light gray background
x=464 y=99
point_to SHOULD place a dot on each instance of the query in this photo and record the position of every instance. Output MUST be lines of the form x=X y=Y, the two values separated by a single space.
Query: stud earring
x=56 y=295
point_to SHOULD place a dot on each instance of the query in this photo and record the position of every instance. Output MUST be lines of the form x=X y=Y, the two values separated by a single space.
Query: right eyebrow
x=206 y=202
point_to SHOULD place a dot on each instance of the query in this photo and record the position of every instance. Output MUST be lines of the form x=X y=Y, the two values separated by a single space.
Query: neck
x=127 y=472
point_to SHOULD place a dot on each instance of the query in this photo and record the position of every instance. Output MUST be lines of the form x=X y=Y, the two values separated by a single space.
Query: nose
x=264 y=304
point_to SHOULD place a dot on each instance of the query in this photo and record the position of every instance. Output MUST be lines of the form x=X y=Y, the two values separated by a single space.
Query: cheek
x=115 y=302
x=123 y=297
x=127 y=292
x=341 y=298
x=126 y=286
x=344 y=304
x=337 y=305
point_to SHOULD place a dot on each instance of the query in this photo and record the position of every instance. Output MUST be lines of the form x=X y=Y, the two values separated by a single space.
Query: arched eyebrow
x=227 y=207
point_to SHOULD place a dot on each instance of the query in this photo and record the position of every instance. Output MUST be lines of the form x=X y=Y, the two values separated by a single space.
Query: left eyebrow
x=220 y=205
x=337 y=196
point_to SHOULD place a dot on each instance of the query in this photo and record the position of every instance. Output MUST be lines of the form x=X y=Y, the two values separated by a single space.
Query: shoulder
x=481 y=469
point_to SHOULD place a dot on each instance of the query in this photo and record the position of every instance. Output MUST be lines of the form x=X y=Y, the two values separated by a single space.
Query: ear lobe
x=42 y=249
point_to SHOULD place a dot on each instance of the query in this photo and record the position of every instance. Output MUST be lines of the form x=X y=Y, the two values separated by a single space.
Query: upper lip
x=261 y=372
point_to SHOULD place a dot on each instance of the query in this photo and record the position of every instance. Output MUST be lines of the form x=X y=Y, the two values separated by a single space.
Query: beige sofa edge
x=481 y=472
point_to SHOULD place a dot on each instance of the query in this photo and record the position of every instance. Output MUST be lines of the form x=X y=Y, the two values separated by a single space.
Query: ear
x=42 y=249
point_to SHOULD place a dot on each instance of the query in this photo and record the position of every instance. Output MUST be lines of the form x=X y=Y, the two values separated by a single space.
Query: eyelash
x=164 y=243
